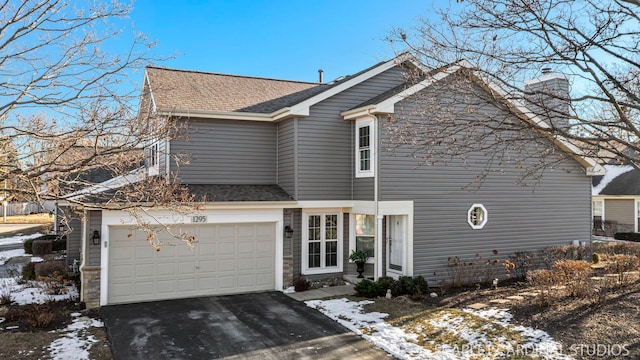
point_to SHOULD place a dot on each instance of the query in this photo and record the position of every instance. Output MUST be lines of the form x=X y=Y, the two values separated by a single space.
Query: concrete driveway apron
x=266 y=325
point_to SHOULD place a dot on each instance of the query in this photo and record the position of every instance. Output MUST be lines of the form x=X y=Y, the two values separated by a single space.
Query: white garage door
x=228 y=258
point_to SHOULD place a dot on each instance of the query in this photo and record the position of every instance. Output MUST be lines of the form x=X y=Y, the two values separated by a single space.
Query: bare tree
x=593 y=43
x=69 y=108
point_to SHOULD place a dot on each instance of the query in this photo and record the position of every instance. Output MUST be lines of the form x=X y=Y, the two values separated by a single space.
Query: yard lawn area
x=43 y=218
x=447 y=328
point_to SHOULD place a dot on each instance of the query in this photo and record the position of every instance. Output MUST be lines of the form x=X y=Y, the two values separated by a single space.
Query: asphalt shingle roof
x=626 y=183
x=196 y=90
x=223 y=193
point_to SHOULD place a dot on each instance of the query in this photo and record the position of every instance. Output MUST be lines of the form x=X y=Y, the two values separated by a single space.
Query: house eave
x=209 y=114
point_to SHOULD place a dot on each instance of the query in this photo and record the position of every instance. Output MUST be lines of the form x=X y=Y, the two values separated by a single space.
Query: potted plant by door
x=360 y=258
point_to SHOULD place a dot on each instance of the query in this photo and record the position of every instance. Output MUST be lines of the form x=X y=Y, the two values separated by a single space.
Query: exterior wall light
x=288 y=232
x=95 y=238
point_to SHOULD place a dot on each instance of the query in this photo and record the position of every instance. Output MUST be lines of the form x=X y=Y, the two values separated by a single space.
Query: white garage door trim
x=120 y=218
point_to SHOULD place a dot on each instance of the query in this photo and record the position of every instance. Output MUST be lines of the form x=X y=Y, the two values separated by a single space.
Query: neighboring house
x=296 y=176
x=616 y=200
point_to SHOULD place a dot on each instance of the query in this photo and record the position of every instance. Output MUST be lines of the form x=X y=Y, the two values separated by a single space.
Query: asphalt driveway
x=266 y=325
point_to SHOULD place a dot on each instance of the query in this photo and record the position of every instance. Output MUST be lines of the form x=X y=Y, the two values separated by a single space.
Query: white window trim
x=154 y=161
x=360 y=123
x=305 y=270
x=352 y=236
x=484 y=220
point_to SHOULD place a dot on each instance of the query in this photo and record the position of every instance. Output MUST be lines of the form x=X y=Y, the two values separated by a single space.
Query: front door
x=396 y=230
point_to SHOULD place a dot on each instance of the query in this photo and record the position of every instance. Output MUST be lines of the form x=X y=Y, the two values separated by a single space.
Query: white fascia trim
x=615 y=197
x=591 y=166
x=209 y=114
x=148 y=81
x=387 y=106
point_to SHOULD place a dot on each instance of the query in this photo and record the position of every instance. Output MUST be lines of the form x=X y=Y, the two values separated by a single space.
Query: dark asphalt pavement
x=266 y=325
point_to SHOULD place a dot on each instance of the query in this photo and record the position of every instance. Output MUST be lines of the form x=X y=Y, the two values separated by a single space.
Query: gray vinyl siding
x=94 y=222
x=74 y=236
x=556 y=211
x=621 y=211
x=363 y=189
x=325 y=160
x=287 y=156
x=296 y=241
x=162 y=157
x=227 y=152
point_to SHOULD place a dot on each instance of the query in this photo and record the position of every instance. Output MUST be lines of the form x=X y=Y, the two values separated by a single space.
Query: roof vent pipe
x=320 y=72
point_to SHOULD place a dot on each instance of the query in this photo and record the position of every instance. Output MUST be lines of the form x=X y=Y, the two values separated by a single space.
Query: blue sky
x=278 y=39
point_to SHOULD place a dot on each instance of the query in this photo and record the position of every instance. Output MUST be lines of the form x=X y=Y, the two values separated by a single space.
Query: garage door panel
x=184 y=250
x=227 y=232
x=166 y=286
x=167 y=252
x=186 y=268
x=228 y=258
x=187 y=285
x=143 y=288
x=121 y=252
x=165 y=269
x=144 y=270
x=227 y=248
x=206 y=249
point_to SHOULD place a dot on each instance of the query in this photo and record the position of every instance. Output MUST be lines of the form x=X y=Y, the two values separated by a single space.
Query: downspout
x=83 y=250
x=376 y=187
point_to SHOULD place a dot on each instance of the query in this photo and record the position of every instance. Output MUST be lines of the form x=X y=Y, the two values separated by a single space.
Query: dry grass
x=28 y=219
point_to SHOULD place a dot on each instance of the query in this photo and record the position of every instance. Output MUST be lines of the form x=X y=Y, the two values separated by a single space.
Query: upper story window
x=477 y=216
x=365 y=140
x=153 y=159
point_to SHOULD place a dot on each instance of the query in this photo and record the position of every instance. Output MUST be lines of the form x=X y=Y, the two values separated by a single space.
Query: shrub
x=544 y=281
x=628 y=236
x=49 y=268
x=407 y=285
x=595 y=258
x=621 y=264
x=41 y=247
x=39 y=316
x=300 y=283
x=28 y=246
x=29 y=271
x=369 y=289
x=550 y=255
x=523 y=261
x=385 y=282
x=575 y=275
x=59 y=245
x=5 y=293
x=614 y=248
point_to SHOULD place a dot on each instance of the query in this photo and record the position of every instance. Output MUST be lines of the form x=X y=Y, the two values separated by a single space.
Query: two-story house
x=296 y=175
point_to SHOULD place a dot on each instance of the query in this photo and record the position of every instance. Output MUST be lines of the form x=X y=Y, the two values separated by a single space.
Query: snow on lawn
x=18 y=239
x=464 y=334
x=33 y=292
x=76 y=340
x=8 y=254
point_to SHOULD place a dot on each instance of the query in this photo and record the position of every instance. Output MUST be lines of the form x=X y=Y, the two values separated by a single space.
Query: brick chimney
x=548 y=97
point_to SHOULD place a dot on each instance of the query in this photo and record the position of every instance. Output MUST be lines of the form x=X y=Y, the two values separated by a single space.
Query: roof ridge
x=230 y=75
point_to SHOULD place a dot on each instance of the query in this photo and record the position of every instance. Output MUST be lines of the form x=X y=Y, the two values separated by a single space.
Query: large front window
x=321 y=251
x=364 y=147
x=365 y=233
